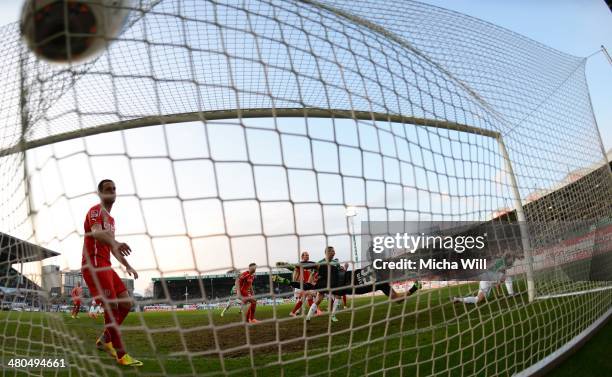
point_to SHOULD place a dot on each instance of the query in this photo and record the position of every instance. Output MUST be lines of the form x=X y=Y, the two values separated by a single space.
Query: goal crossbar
x=204 y=116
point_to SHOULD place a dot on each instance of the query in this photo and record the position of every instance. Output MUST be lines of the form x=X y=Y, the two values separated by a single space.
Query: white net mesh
x=239 y=132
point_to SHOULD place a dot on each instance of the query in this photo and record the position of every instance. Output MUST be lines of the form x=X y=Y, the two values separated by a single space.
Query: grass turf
x=424 y=335
x=591 y=360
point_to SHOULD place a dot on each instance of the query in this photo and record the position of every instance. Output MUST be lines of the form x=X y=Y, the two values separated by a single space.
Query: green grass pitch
x=591 y=360
x=424 y=335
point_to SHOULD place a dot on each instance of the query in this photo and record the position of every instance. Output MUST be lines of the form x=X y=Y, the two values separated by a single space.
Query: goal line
x=576 y=293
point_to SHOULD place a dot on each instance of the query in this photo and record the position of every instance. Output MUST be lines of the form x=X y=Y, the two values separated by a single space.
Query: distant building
x=51 y=278
x=70 y=280
x=129 y=284
x=61 y=283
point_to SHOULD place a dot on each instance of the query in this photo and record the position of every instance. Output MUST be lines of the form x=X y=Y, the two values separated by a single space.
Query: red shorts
x=246 y=296
x=103 y=283
x=76 y=302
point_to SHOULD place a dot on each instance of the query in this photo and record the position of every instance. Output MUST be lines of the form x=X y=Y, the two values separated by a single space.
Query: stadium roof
x=14 y=250
x=17 y=291
x=219 y=276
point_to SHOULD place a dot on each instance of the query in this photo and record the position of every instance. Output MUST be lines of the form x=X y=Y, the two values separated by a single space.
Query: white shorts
x=485 y=287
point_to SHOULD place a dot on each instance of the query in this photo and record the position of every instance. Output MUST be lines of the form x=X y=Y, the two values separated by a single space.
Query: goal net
x=249 y=132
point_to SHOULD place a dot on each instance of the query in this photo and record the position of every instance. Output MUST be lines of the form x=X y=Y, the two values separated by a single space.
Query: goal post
x=522 y=220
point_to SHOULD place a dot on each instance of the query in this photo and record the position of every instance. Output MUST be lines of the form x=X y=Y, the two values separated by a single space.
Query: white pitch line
x=574 y=293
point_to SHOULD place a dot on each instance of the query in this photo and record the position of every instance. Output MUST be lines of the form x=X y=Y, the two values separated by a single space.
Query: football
x=64 y=31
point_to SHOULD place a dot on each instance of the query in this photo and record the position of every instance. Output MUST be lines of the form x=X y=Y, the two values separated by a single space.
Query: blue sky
x=576 y=27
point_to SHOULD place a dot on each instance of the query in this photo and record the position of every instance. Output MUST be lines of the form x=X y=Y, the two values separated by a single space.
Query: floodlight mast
x=350 y=213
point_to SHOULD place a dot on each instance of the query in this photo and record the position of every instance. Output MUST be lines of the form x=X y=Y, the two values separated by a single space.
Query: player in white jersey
x=233 y=299
x=495 y=276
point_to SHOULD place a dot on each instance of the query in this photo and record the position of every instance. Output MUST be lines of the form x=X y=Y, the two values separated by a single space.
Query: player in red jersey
x=76 y=294
x=301 y=276
x=244 y=289
x=105 y=286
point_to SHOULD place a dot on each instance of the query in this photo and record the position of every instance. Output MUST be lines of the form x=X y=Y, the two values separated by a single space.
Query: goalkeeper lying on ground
x=494 y=277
